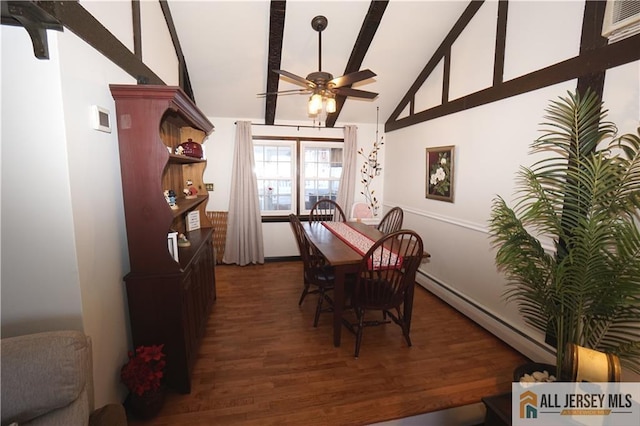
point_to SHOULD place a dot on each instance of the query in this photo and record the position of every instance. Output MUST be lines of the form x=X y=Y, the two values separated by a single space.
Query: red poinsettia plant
x=144 y=370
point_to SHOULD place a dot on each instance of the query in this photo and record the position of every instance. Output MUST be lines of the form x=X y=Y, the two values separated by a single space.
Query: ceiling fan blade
x=300 y=80
x=348 y=91
x=351 y=78
x=284 y=92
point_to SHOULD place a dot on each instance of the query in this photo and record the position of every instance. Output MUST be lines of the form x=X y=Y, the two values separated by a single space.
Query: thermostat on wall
x=100 y=119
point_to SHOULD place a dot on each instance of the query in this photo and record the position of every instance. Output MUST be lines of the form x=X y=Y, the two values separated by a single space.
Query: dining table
x=345 y=260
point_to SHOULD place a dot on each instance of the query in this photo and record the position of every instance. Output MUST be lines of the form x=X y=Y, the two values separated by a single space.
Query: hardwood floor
x=263 y=363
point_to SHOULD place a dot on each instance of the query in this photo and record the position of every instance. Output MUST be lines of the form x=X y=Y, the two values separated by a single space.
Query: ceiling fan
x=322 y=85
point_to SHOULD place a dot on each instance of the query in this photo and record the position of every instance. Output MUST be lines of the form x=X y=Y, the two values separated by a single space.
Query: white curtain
x=346 y=192
x=244 y=243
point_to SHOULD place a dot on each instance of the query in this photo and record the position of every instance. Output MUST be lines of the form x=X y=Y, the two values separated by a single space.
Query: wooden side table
x=498 y=410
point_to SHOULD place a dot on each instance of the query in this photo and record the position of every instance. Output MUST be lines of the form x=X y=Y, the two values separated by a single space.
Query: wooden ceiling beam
x=79 y=21
x=35 y=20
x=276 y=34
x=443 y=50
x=596 y=56
x=588 y=63
x=183 y=72
x=591 y=39
x=361 y=47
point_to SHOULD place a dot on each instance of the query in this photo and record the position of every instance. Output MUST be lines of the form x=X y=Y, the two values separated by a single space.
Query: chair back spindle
x=326 y=210
x=392 y=221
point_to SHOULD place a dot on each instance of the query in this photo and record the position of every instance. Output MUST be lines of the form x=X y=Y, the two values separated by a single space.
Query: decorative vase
x=147 y=405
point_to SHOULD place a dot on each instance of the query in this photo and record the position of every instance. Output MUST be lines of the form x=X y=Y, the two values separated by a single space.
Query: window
x=293 y=174
x=321 y=171
x=275 y=171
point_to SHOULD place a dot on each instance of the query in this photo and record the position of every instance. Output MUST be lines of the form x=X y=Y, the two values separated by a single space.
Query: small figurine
x=190 y=191
x=179 y=150
x=170 y=196
x=182 y=241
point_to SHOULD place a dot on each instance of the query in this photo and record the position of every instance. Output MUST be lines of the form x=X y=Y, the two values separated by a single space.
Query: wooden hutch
x=169 y=301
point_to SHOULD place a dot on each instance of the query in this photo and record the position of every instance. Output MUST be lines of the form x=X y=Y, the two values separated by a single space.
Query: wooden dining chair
x=392 y=221
x=318 y=276
x=387 y=272
x=325 y=210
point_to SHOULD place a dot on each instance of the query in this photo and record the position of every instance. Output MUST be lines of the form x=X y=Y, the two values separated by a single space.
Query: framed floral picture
x=439 y=185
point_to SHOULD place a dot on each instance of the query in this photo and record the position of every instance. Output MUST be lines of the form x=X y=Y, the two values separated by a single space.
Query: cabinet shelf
x=186 y=205
x=184 y=159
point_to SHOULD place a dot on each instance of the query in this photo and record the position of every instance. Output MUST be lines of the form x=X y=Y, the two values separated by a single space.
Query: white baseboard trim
x=517 y=339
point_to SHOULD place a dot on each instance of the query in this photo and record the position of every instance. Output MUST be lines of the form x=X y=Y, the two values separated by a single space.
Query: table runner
x=361 y=244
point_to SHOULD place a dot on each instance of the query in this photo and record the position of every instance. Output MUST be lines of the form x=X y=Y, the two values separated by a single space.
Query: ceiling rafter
x=586 y=64
x=501 y=41
x=183 y=72
x=591 y=38
x=441 y=53
x=595 y=57
x=35 y=20
x=276 y=34
x=361 y=47
x=78 y=20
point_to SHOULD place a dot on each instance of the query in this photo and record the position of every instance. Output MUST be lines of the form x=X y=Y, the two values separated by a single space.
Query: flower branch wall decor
x=439 y=184
x=369 y=170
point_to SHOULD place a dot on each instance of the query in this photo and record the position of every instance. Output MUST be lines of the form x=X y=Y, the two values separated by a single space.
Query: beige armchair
x=47 y=379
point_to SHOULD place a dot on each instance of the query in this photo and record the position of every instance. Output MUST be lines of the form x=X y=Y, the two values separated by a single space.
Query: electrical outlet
x=208 y=186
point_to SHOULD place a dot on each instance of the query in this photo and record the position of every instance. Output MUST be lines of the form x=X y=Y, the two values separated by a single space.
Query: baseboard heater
x=506 y=332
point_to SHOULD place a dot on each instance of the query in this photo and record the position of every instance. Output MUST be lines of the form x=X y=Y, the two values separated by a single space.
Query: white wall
x=489 y=150
x=64 y=247
x=39 y=268
x=157 y=47
x=96 y=194
x=492 y=142
x=219 y=148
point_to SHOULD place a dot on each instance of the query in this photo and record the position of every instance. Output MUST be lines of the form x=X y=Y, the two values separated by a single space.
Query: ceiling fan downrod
x=322 y=84
x=319 y=23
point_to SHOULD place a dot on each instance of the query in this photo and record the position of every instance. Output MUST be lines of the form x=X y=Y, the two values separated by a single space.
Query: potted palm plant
x=583 y=196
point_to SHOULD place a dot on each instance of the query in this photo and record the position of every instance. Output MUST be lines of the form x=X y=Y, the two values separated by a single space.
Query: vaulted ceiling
x=228 y=51
x=231 y=47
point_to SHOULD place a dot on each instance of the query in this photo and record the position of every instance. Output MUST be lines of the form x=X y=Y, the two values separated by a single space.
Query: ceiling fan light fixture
x=330 y=106
x=322 y=85
x=315 y=104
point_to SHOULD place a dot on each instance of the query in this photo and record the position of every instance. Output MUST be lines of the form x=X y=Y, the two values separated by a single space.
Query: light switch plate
x=100 y=119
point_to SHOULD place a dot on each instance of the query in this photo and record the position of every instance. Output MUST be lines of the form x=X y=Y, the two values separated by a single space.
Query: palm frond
x=586 y=200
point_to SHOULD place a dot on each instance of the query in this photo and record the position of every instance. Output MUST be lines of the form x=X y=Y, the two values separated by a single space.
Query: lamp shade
x=315 y=104
x=331 y=105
